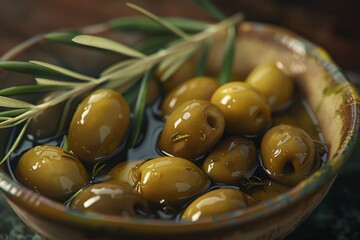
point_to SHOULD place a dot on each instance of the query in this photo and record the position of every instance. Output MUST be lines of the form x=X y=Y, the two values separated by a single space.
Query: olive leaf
x=29 y=89
x=107 y=44
x=64 y=71
x=12 y=113
x=14 y=103
x=62 y=37
x=52 y=82
x=211 y=9
x=67 y=202
x=16 y=142
x=203 y=59
x=172 y=28
x=228 y=59
x=139 y=109
x=145 y=25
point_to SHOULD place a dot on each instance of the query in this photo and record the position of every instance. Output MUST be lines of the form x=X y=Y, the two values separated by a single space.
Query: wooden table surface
x=335 y=25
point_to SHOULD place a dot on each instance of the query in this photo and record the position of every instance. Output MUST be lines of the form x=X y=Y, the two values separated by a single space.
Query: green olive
x=46 y=123
x=51 y=171
x=99 y=125
x=122 y=172
x=112 y=199
x=234 y=159
x=246 y=112
x=153 y=91
x=273 y=83
x=199 y=88
x=269 y=190
x=192 y=129
x=169 y=181
x=216 y=202
x=288 y=154
x=183 y=73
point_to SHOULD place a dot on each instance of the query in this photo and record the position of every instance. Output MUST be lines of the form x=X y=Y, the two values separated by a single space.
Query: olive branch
x=185 y=39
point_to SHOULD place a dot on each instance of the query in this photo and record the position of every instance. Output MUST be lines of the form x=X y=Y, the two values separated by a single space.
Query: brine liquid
x=260 y=186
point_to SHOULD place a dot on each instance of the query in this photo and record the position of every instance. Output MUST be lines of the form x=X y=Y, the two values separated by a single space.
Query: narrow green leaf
x=139 y=110
x=12 y=113
x=73 y=197
x=228 y=59
x=153 y=45
x=14 y=103
x=172 y=28
x=30 y=89
x=117 y=66
x=51 y=82
x=203 y=59
x=132 y=92
x=145 y=25
x=30 y=68
x=62 y=37
x=211 y=9
x=16 y=142
x=65 y=143
x=64 y=71
x=64 y=116
x=107 y=44
x=97 y=168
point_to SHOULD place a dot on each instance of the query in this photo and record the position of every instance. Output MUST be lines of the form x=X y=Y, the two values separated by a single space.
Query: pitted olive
x=246 y=111
x=169 y=181
x=122 y=172
x=192 y=129
x=234 y=159
x=288 y=154
x=51 y=171
x=216 y=202
x=199 y=88
x=273 y=83
x=112 y=199
x=46 y=123
x=99 y=125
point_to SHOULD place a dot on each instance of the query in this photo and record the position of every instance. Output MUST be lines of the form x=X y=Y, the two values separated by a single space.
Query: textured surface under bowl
x=334 y=102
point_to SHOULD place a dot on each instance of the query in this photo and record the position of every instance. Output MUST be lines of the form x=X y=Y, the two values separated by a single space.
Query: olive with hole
x=192 y=129
x=122 y=172
x=270 y=80
x=199 y=88
x=216 y=202
x=112 y=199
x=169 y=181
x=99 y=125
x=234 y=159
x=288 y=154
x=245 y=110
x=51 y=171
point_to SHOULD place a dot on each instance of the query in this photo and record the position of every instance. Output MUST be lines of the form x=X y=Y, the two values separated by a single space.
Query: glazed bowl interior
x=330 y=96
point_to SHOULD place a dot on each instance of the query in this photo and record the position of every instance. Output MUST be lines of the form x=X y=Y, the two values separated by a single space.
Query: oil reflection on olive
x=112 y=199
x=122 y=172
x=51 y=171
x=246 y=111
x=199 y=88
x=216 y=202
x=234 y=159
x=170 y=181
x=192 y=129
x=99 y=125
x=288 y=154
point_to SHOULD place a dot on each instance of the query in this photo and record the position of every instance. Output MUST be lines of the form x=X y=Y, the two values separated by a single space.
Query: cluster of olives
x=214 y=138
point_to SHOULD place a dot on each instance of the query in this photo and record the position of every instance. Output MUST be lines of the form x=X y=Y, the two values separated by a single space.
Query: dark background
x=334 y=25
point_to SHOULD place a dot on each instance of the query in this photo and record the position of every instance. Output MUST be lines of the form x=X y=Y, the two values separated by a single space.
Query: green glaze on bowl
x=333 y=99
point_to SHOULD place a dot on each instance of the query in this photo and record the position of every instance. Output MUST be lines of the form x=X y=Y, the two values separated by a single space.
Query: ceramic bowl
x=331 y=97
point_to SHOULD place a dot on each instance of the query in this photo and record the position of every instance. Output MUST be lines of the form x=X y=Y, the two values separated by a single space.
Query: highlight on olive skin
x=169 y=181
x=192 y=129
x=271 y=81
x=245 y=110
x=216 y=202
x=111 y=199
x=288 y=154
x=99 y=125
x=51 y=171
x=234 y=159
x=122 y=172
x=199 y=88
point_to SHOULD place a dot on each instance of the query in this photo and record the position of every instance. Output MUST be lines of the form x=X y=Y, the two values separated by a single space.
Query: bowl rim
x=27 y=198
